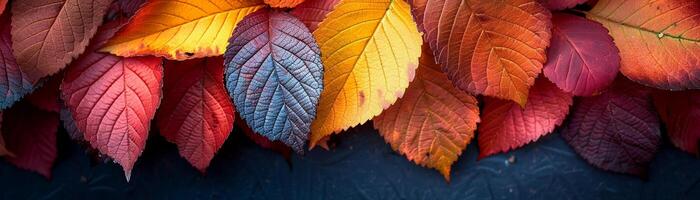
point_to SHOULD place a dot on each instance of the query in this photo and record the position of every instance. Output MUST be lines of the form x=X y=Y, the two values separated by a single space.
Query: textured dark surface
x=362 y=166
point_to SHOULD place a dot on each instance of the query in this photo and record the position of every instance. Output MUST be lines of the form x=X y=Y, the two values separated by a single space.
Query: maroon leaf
x=680 y=112
x=262 y=141
x=47 y=96
x=2 y=5
x=312 y=12
x=617 y=130
x=30 y=134
x=14 y=84
x=582 y=58
x=560 y=4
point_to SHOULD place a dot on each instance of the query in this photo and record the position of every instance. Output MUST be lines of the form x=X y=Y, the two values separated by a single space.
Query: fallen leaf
x=196 y=113
x=617 y=130
x=283 y=3
x=583 y=59
x=507 y=126
x=274 y=75
x=494 y=48
x=14 y=84
x=433 y=122
x=113 y=99
x=181 y=29
x=262 y=141
x=312 y=12
x=370 y=51
x=48 y=34
x=30 y=134
x=560 y=4
x=658 y=40
x=680 y=112
x=46 y=97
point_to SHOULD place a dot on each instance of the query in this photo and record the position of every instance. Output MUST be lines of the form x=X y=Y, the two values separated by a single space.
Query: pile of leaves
x=429 y=74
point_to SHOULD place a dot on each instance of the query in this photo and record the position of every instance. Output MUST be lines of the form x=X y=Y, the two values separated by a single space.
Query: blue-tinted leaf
x=14 y=84
x=274 y=75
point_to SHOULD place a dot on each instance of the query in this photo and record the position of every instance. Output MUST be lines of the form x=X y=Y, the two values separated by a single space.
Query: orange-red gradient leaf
x=312 y=12
x=113 y=99
x=617 y=130
x=659 y=41
x=433 y=122
x=582 y=58
x=181 y=29
x=494 y=48
x=30 y=134
x=196 y=113
x=48 y=34
x=680 y=112
x=507 y=126
x=283 y=3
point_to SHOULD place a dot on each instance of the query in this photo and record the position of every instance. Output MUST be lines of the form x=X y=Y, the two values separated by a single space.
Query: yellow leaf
x=181 y=29
x=370 y=51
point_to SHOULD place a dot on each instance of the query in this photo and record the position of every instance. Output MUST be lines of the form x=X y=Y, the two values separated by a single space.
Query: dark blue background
x=362 y=166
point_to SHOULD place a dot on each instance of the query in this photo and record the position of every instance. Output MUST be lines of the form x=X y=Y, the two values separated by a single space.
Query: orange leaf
x=47 y=35
x=181 y=29
x=433 y=122
x=659 y=41
x=283 y=3
x=495 y=48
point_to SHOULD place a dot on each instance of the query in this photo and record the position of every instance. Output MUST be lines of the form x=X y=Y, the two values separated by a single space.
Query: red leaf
x=617 y=130
x=507 y=126
x=196 y=114
x=48 y=34
x=3 y=148
x=113 y=99
x=47 y=96
x=126 y=8
x=13 y=83
x=262 y=141
x=30 y=134
x=680 y=112
x=582 y=58
x=560 y=4
x=2 y=5
x=312 y=12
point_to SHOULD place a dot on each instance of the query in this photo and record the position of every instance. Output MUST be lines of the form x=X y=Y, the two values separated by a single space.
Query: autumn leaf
x=3 y=3
x=507 y=126
x=30 y=134
x=181 y=29
x=262 y=141
x=658 y=40
x=48 y=34
x=46 y=97
x=583 y=59
x=312 y=12
x=3 y=147
x=560 y=4
x=14 y=83
x=370 y=51
x=617 y=130
x=274 y=74
x=113 y=99
x=196 y=113
x=680 y=112
x=494 y=48
x=70 y=126
x=283 y=3
x=126 y=8
x=433 y=122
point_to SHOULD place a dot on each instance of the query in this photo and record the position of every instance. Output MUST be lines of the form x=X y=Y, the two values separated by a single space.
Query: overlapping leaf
x=583 y=59
x=658 y=40
x=48 y=34
x=196 y=113
x=3 y=148
x=70 y=126
x=370 y=51
x=126 y=8
x=47 y=96
x=433 y=122
x=617 y=130
x=113 y=99
x=30 y=134
x=262 y=141
x=560 y=4
x=274 y=75
x=680 y=112
x=507 y=126
x=283 y=3
x=3 y=3
x=495 y=48
x=14 y=84
x=181 y=29
x=312 y=12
